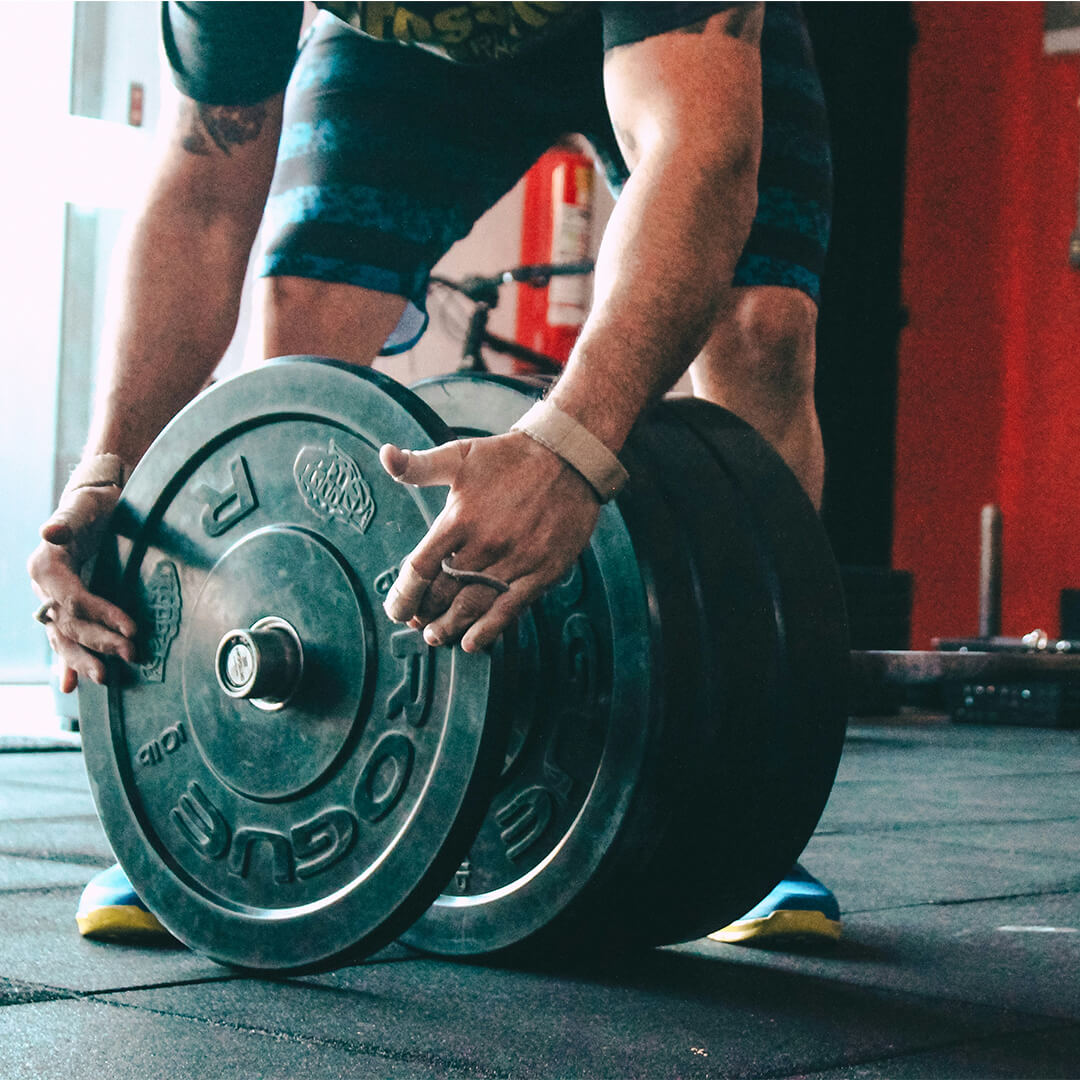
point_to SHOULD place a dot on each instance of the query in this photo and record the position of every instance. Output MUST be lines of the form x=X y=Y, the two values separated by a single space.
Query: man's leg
x=759 y=363
x=302 y=316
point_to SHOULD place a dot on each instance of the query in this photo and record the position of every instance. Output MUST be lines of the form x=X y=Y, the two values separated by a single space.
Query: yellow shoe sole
x=120 y=923
x=780 y=924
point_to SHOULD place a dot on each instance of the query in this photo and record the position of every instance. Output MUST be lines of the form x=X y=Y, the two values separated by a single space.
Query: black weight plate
x=724 y=845
x=587 y=687
x=621 y=909
x=284 y=835
x=777 y=758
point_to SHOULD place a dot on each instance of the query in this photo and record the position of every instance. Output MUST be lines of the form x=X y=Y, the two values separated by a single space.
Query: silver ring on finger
x=42 y=615
x=473 y=577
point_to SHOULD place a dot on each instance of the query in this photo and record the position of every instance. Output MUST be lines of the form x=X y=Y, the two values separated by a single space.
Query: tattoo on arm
x=223 y=126
x=740 y=21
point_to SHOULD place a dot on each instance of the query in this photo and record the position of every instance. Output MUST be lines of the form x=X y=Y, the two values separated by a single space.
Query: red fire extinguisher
x=556 y=228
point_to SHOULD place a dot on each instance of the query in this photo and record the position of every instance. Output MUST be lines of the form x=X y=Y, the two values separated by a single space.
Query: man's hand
x=516 y=512
x=80 y=624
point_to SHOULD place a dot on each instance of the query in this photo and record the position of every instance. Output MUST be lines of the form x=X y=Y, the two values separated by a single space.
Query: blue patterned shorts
x=388 y=155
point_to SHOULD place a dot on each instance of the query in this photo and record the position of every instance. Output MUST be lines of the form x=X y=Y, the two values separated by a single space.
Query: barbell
x=290 y=780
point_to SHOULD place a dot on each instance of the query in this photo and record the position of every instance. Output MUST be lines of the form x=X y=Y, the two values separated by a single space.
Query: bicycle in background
x=483 y=292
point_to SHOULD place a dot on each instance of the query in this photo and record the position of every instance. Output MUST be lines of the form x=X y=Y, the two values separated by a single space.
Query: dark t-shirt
x=225 y=53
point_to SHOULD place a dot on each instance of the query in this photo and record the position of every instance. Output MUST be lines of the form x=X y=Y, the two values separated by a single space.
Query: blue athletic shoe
x=110 y=910
x=800 y=907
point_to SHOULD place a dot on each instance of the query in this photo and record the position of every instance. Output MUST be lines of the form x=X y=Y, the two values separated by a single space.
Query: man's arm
x=686 y=105
x=173 y=306
x=176 y=295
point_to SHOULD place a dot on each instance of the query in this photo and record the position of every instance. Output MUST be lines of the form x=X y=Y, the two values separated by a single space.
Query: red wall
x=989 y=386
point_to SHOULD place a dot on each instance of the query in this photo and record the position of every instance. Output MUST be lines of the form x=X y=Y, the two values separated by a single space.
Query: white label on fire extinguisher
x=568 y=297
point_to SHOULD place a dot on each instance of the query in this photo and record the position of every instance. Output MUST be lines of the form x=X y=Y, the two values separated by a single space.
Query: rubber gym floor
x=953 y=851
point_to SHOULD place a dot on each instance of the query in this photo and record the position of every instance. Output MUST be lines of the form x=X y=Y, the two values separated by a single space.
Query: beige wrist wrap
x=577 y=446
x=101 y=470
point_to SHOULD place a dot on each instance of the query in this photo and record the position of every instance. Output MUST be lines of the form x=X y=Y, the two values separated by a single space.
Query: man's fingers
x=77 y=511
x=469 y=604
x=95 y=609
x=464 y=565
x=80 y=513
x=51 y=574
x=57 y=530
x=507 y=607
x=439 y=596
x=425 y=468
x=93 y=635
x=422 y=566
x=69 y=679
x=79 y=624
x=77 y=660
x=406 y=594
x=473 y=602
x=65 y=522
x=86 y=619
x=54 y=579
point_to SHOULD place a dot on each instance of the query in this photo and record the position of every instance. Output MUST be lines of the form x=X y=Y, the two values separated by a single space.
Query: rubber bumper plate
x=287 y=777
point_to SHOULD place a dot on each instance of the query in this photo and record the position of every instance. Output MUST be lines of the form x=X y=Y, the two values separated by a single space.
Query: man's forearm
x=175 y=291
x=172 y=312
x=667 y=257
x=686 y=107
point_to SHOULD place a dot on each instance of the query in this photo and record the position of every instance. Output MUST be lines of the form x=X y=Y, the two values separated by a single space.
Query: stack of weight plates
x=291 y=780
x=677 y=733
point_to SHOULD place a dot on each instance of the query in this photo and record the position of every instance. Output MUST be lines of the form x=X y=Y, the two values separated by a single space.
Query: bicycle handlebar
x=540 y=273
x=483 y=289
x=484 y=293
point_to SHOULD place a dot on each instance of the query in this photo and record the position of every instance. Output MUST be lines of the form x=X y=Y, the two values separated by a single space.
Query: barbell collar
x=263 y=664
